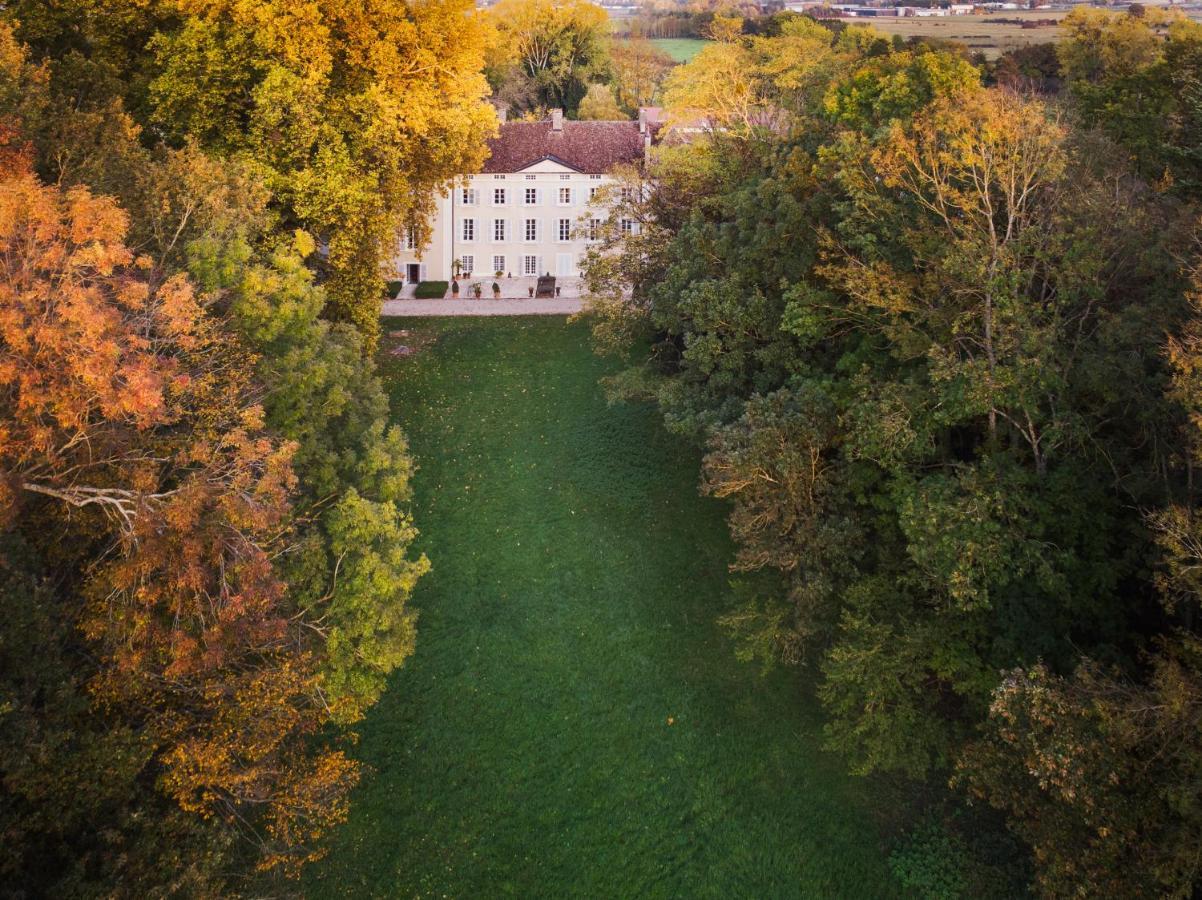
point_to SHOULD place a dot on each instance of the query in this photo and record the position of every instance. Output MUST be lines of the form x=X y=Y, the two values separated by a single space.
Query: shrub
x=931 y=864
x=431 y=290
x=393 y=288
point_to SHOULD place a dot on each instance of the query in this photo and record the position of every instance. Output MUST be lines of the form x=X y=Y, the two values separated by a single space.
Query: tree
x=356 y=116
x=912 y=321
x=555 y=47
x=128 y=422
x=599 y=104
x=639 y=68
x=1139 y=79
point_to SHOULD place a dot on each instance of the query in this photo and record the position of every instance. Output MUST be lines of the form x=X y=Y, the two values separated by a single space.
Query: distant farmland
x=680 y=49
x=979 y=33
x=984 y=34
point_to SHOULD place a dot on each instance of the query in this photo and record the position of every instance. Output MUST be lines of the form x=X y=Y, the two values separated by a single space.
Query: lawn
x=574 y=723
x=680 y=49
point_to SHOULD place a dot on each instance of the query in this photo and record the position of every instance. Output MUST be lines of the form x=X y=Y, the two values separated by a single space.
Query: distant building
x=528 y=211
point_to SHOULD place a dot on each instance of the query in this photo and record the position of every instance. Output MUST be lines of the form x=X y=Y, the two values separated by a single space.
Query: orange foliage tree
x=127 y=419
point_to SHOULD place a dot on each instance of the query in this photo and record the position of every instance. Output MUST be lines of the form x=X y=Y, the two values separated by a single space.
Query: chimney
x=557 y=120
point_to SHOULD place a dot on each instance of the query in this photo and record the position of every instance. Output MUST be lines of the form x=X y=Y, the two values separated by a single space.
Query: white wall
x=559 y=257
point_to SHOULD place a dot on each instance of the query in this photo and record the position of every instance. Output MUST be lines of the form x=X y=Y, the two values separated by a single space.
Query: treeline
x=941 y=342
x=205 y=546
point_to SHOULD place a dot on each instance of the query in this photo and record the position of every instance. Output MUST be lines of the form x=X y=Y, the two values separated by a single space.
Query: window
x=565 y=229
x=469 y=229
x=498 y=178
x=592 y=194
x=498 y=229
x=594 y=229
x=627 y=194
x=531 y=196
x=531 y=231
x=594 y=178
x=466 y=265
x=410 y=239
x=627 y=226
x=529 y=265
x=565 y=196
x=531 y=177
x=498 y=264
x=469 y=196
x=565 y=177
x=498 y=196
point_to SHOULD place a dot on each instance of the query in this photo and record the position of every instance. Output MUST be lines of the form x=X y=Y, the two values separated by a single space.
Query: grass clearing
x=680 y=49
x=574 y=723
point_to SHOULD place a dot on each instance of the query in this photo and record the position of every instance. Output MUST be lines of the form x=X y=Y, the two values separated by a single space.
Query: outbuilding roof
x=591 y=147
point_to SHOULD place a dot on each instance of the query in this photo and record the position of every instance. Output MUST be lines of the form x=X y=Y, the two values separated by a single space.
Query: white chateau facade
x=528 y=213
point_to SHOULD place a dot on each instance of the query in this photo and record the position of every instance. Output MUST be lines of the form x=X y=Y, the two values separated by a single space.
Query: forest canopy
x=205 y=549
x=940 y=342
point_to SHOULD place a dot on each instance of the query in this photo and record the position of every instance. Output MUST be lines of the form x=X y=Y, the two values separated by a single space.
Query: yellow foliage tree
x=738 y=84
x=357 y=114
x=599 y=104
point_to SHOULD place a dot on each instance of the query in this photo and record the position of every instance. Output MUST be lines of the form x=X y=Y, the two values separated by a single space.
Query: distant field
x=680 y=49
x=980 y=33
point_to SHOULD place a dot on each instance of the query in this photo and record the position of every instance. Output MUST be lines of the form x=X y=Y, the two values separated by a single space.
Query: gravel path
x=559 y=306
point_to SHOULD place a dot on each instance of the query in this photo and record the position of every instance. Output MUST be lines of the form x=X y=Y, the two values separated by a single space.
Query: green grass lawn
x=574 y=723
x=680 y=49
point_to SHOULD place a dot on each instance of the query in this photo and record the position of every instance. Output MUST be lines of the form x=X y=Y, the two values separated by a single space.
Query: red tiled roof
x=592 y=147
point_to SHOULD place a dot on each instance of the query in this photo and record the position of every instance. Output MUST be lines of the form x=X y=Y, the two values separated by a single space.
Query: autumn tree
x=1136 y=77
x=332 y=563
x=914 y=324
x=547 y=51
x=741 y=84
x=599 y=104
x=128 y=419
x=639 y=68
x=1098 y=769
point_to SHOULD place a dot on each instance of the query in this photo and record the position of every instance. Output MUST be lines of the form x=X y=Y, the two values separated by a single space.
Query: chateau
x=528 y=212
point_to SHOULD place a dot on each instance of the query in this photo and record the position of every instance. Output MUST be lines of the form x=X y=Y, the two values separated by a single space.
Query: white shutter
x=422 y=273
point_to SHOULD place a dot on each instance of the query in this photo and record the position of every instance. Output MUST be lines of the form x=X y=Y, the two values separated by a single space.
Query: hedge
x=431 y=290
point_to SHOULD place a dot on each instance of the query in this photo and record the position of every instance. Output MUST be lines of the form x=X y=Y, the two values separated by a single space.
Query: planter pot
x=531 y=290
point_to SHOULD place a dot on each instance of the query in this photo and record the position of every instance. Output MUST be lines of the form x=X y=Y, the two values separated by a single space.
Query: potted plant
x=455 y=288
x=457 y=268
x=477 y=290
x=531 y=290
x=497 y=273
x=496 y=291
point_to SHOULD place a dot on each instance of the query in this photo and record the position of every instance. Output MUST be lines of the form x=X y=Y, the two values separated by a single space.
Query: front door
x=414 y=274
